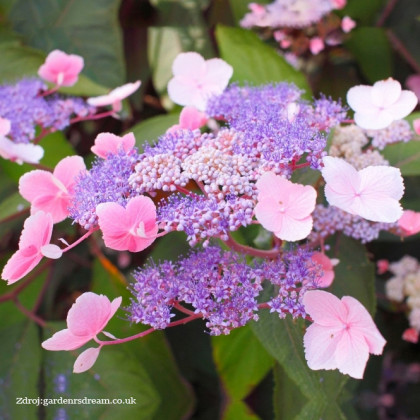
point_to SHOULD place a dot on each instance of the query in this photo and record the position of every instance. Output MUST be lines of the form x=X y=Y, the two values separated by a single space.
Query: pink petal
x=416 y=126
x=108 y=143
x=61 y=68
x=37 y=231
x=325 y=308
x=411 y=335
x=89 y=314
x=68 y=169
x=51 y=251
x=386 y=92
x=5 y=126
x=45 y=193
x=20 y=152
x=20 y=264
x=218 y=74
x=360 y=100
x=293 y=229
x=376 y=119
x=361 y=321
x=347 y=24
x=184 y=92
x=320 y=344
x=327 y=268
x=133 y=228
x=404 y=106
x=380 y=189
x=352 y=354
x=409 y=222
x=316 y=45
x=300 y=200
x=268 y=213
x=115 y=96
x=189 y=64
x=191 y=118
x=343 y=182
x=86 y=359
x=265 y=184
x=65 y=340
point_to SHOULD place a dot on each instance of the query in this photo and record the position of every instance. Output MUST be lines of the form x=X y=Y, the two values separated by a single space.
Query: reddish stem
x=261 y=253
x=81 y=239
x=93 y=117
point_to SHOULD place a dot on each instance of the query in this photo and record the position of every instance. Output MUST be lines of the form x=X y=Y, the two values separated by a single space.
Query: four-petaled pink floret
x=51 y=192
x=133 y=228
x=108 y=143
x=342 y=335
x=196 y=80
x=61 y=69
x=285 y=208
x=379 y=105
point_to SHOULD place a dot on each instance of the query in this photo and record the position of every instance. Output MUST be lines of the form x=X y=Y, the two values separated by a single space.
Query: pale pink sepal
x=372 y=193
x=132 y=228
x=316 y=45
x=20 y=152
x=347 y=24
x=409 y=222
x=108 y=143
x=284 y=208
x=86 y=359
x=189 y=119
x=36 y=234
x=327 y=267
x=61 y=69
x=52 y=192
x=416 y=126
x=196 y=79
x=342 y=335
x=379 y=105
x=51 y=251
x=116 y=96
x=86 y=318
x=5 y=126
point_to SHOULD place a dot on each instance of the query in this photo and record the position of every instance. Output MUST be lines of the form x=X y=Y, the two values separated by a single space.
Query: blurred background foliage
x=258 y=371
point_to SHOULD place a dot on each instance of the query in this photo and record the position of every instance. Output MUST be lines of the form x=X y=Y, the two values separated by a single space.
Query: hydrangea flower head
x=51 y=192
x=115 y=97
x=284 y=207
x=342 y=336
x=372 y=193
x=61 y=69
x=34 y=244
x=132 y=228
x=379 y=105
x=196 y=79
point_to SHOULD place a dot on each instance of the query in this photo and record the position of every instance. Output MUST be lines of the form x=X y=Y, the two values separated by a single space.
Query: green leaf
x=150 y=129
x=405 y=156
x=370 y=46
x=56 y=147
x=238 y=410
x=11 y=205
x=181 y=27
x=90 y=29
x=241 y=361
x=363 y=11
x=19 y=369
x=355 y=274
x=253 y=61
x=117 y=374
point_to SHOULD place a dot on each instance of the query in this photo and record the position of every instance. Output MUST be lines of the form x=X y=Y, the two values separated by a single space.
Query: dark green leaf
x=238 y=410
x=90 y=29
x=150 y=129
x=19 y=369
x=405 y=156
x=241 y=361
x=11 y=205
x=363 y=11
x=370 y=46
x=181 y=27
x=253 y=61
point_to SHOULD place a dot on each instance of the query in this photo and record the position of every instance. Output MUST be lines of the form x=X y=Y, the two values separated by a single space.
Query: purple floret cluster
x=221 y=287
x=25 y=107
